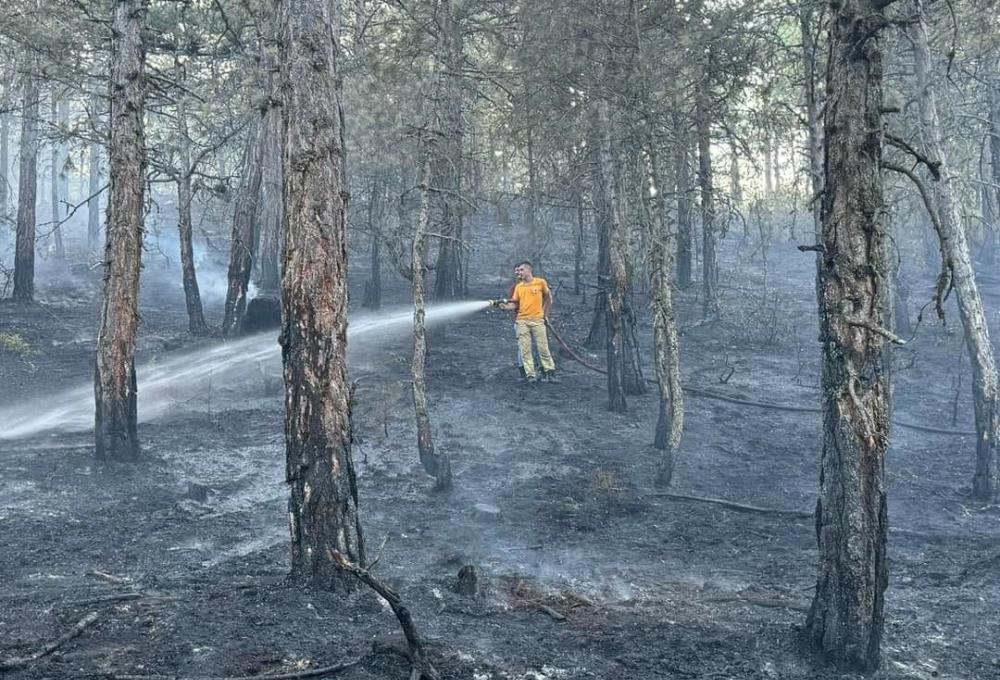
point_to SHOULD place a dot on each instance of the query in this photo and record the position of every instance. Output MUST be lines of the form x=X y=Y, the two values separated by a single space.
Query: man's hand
x=508 y=306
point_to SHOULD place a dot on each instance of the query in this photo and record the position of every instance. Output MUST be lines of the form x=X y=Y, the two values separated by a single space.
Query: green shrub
x=14 y=343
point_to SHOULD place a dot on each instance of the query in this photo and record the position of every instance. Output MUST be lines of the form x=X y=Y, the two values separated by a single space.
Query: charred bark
x=958 y=260
x=685 y=233
x=845 y=620
x=27 y=188
x=661 y=243
x=55 y=164
x=710 y=258
x=114 y=383
x=617 y=282
x=434 y=462
x=323 y=507
x=94 y=171
x=189 y=278
x=813 y=121
x=448 y=165
x=373 y=286
x=270 y=206
x=244 y=240
x=579 y=245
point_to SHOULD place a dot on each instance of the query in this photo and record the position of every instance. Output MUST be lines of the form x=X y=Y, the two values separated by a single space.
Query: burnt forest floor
x=587 y=570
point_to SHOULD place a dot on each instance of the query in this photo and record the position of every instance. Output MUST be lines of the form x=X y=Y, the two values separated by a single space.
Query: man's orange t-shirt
x=530 y=299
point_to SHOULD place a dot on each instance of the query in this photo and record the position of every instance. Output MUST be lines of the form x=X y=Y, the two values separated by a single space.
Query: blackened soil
x=588 y=571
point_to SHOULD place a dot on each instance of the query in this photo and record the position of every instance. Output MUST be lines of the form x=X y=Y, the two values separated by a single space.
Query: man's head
x=522 y=271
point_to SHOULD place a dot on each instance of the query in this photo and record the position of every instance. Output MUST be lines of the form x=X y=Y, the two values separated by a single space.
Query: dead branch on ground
x=75 y=631
x=421 y=666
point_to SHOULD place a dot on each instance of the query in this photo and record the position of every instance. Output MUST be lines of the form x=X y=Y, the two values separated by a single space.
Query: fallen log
x=75 y=631
x=739 y=507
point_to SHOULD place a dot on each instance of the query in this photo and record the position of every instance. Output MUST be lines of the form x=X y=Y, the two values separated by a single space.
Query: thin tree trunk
x=534 y=237
x=685 y=233
x=5 y=104
x=55 y=166
x=270 y=208
x=957 y=256
x=434 y=462
x=617 y=246
x=448 y=170
x=27 y=188
x=323 y=505
x=710 y=258
x=579 y=245
x=813 y=121
x=661 y=244
x=94 y=204
x=114 y=384
x=4 y=166
x=373 y=286
x=666 y=339
x=244 y=241
x=192 y=296
x=600 y=196
x=994 y=193
x=846 y=617
x=735 y=179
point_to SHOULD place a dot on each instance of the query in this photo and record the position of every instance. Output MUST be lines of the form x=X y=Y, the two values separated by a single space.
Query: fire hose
x=711 y=394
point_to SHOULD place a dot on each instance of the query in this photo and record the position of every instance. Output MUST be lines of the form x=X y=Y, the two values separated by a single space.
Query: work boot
x=531 y=379
x=550 y=376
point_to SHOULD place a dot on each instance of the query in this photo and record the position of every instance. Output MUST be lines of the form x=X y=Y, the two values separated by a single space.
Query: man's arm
x=546 y=301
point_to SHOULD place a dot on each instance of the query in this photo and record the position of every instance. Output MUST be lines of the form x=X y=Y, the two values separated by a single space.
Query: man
x=532 y=299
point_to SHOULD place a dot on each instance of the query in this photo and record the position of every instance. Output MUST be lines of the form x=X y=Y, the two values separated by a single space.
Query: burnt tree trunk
x=661 y=243
x=685 y=233
x=813 y=121
x=448 y=283
x=6 y=103
x=846 y=618
x=270 y=206
x=600 y=196
x=578 y=247
x=189 y=278
x=435 y=463
x=114 y=383
x=994 y=191
x=616 y=246
x=373 y=286
x=709 y=256
x=958 y=259
x=55 y=166
x=94 y=171
x=244 y=241
x=323 y=505
x=27 y=188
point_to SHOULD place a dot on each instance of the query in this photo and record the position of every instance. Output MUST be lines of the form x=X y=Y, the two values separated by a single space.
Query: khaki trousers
x=528 y=329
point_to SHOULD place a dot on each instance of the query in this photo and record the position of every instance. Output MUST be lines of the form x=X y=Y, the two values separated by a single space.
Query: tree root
x=75 y=631
x=739 y=507
x=420 y=665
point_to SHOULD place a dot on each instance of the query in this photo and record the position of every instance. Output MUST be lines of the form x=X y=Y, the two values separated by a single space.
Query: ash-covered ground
x=587 y=570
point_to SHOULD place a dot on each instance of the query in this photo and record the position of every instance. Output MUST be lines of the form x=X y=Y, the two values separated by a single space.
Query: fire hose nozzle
x=498 y=302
